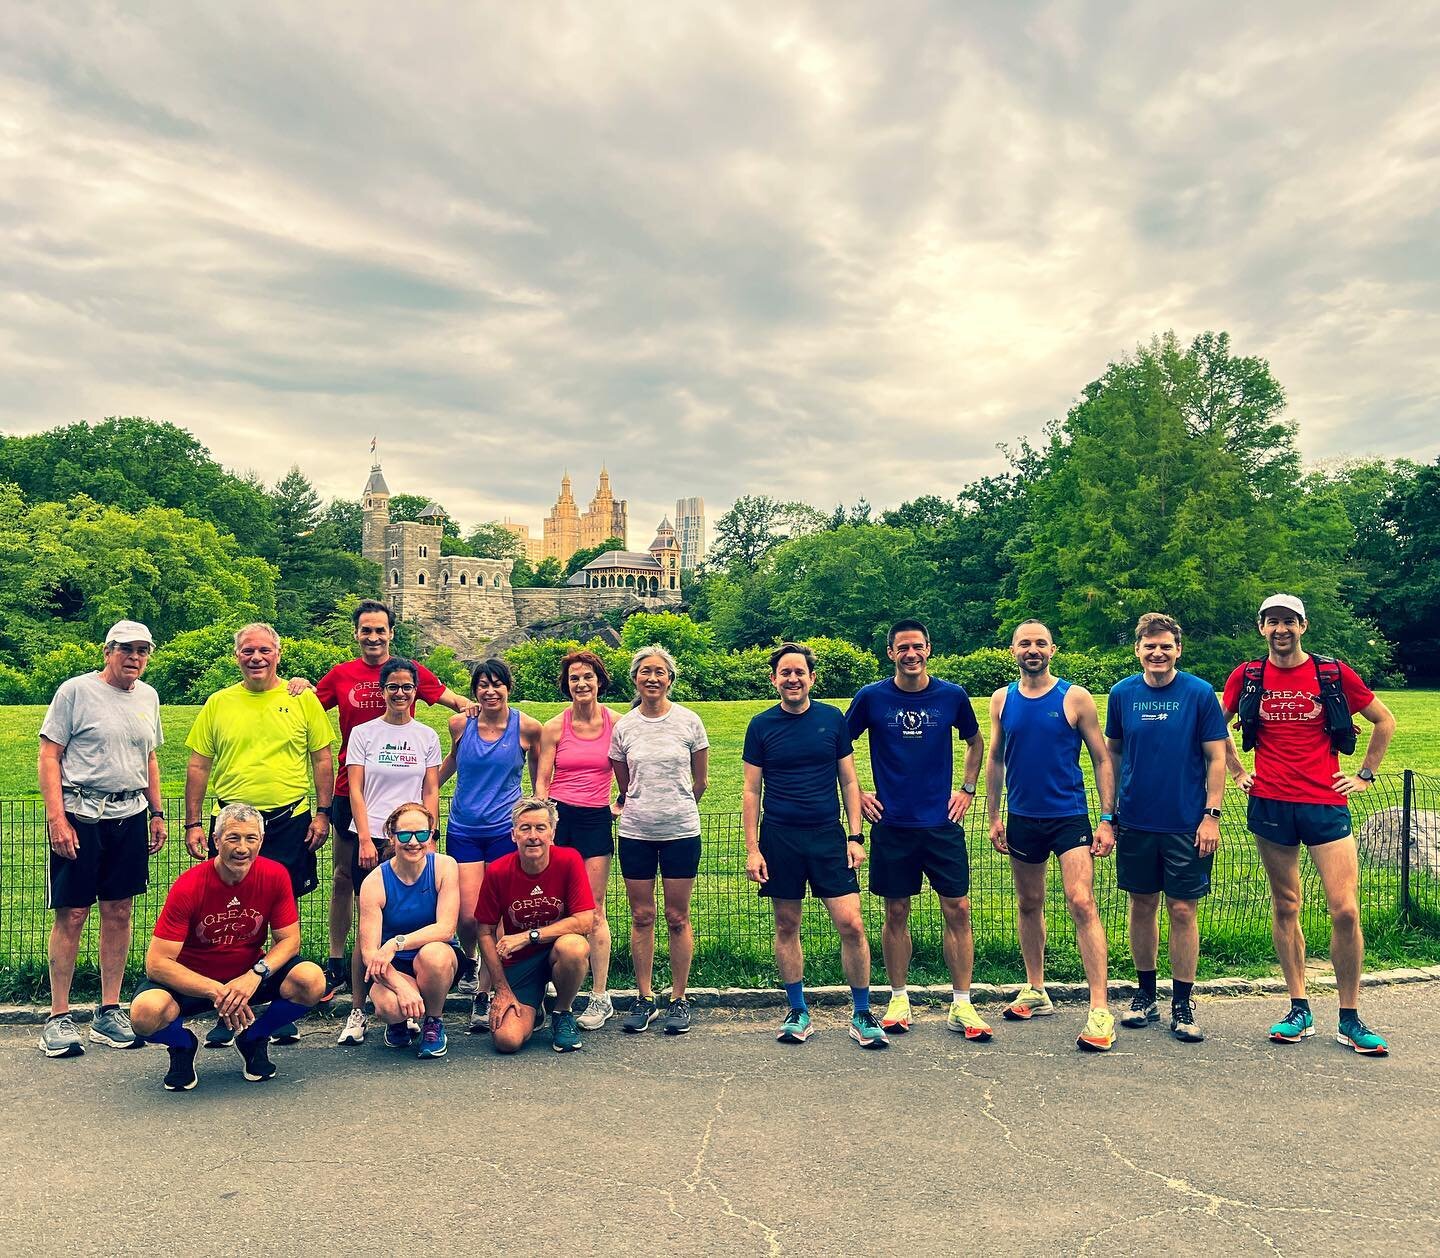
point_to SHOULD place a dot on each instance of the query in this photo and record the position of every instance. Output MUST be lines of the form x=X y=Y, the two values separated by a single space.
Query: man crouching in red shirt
x=535 y=912
x=209 y=952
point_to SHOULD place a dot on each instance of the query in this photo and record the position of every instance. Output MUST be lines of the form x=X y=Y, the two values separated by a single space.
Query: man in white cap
x=1295 y=710
x=98 y=777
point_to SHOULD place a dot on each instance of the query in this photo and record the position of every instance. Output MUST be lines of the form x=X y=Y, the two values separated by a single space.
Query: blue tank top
x=408 y=908
x=1042 y=755
x=487 y=781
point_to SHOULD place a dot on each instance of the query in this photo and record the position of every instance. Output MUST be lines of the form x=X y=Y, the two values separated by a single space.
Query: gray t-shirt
x=660 y=800
x=108 y=735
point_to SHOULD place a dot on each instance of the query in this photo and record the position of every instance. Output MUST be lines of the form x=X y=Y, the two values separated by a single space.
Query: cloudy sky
x=816 y=251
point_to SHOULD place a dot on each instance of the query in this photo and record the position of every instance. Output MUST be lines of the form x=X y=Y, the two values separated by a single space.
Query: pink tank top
x=583 y=769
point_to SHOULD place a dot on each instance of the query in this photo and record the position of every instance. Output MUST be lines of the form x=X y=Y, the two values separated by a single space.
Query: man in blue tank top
x=1167 y=735
x=915 y=813
x=1037 y=725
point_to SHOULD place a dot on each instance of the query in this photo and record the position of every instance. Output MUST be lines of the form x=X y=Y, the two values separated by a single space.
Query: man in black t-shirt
x=794 y=754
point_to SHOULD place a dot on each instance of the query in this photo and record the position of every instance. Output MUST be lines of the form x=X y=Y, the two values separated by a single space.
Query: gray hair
x=529 y=803
x=645 y=652
x=256 y=626
x=238 y=814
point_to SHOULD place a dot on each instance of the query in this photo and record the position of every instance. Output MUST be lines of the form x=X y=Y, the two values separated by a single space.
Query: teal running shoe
x=796 y=1028
x=865 y=1030
x=1355 y=1034
x=564 y=1031
x=1295 y=1026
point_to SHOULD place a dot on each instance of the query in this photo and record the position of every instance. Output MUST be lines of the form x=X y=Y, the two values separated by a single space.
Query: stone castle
x=463 y=603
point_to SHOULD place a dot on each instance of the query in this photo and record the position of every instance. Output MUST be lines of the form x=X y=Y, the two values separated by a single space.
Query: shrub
x=70 y=660
x=841 y=668
x=536 y=668
x=14 y=686
x=177 y=666
x=446 y=665
x=1097 y=671
x=981 y=672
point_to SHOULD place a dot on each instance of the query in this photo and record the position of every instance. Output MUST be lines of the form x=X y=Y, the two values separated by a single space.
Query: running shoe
x=1098 y=1034
x=219 y=1036
x=796 y=1028
x=964 y=1019
x=1297 y=1025
x=60 y=1037
x=337 y=979
x=398 y=1035
x=564 y=1031
x=642 y=1013
x=677 y=1017
x=254 y=1051
x=596 y=1014
x=897 y=1014
x=480 y=1014
x=1182 y=1022
x=181 y=1076
x=1029 y=1003
x=354 y=1032
x=1355 y=1034
x=1142 y=1012
x=288 y=1033
x=112 y=1027
x=432 y=1039
x=469 y=984
x=865 y=1030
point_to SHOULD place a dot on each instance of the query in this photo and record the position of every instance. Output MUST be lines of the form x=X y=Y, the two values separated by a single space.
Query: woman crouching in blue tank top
x=407 y=932
x=488 y=753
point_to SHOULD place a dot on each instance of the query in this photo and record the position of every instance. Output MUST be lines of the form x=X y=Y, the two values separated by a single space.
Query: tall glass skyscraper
x=690 y=531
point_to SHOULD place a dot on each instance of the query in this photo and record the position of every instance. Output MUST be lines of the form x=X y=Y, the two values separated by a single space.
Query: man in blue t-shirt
x=1167 y=734
x=915 y=814
x=794 y=754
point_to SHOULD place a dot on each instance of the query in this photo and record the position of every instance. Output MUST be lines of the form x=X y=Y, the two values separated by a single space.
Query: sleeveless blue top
x=1042 y=756
x=487 y=782
x=408 y=908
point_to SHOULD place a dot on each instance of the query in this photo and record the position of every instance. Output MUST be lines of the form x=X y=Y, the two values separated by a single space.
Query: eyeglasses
x=134 y=648
x=413 y=836
x=399 y=688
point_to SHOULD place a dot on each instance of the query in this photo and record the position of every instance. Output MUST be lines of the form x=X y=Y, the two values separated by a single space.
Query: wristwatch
x=858 y=838
x=968 y=787
x=399 y=942
x=1108 y=816
x=1213 y=812
x=323 y=808
x=261 y=969
x=534 y=936
x=1365 y=775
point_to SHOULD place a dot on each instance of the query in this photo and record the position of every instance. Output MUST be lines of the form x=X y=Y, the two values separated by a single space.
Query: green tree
x=315 y=569
x=493 y=541
x=409 y=507
x=1408 y=605
x=586 y=553
x=346 y=520
x=754 y=525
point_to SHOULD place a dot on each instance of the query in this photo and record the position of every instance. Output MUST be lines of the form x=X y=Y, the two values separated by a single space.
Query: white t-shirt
x=394 y=758
x=108 y=735
x=660 y=799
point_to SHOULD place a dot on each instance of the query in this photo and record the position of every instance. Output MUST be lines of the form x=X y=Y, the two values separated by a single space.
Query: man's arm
x=755 y=868
x=1234 y=766
x=63 y=840
x=1382 y=721
x=995 y=773
x=457 y=703
x=1207 y=837
x=960 y=801
x=322 y=765
x=158 y=830
x=1087 y=722
x=850 y=794
x=581 y=923
x=197 y=778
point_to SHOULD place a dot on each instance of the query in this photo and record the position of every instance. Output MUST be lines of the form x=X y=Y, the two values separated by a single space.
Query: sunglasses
x=413 y=836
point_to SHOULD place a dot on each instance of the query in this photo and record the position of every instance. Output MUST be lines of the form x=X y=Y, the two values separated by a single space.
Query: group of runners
x=512 y=912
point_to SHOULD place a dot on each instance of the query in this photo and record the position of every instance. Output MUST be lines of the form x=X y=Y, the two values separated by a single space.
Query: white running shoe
x=354 y=1032
x=596 y=1014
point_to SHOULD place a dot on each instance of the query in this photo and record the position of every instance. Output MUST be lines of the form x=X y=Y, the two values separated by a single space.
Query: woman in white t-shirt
x=391 y=760
x=662 y=759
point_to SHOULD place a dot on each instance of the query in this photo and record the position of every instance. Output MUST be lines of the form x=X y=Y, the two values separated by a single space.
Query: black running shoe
x=181 y=1076
x=254 y=1052
x=337 y=979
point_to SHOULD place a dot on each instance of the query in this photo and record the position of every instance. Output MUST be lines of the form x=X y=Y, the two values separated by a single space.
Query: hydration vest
x=1338 y=724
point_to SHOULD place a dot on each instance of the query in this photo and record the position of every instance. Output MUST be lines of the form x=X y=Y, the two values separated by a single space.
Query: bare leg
x=569 y=959
x=682 y=938
x=1030 y=902
x=789 y=958
x=1145 y=931
x=895 y=943
x=64 y=947
x=598 y=869
x=1340 y=874
x=844 y=911
x=641 y=894
x=1077 y=868
x=1282 y=867
x=114 y=948
x=1184 y=939
x=959 y=940
x=434 y=972
x=342 y=892
x=472 y=875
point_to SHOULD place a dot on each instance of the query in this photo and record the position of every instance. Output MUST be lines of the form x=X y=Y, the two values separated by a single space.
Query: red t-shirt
x=354 y=688
x=517 y=901
x=1294 y=761
x=223 y=927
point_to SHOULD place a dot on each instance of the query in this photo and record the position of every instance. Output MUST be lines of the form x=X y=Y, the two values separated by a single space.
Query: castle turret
x=375 y=515
x=667 y=554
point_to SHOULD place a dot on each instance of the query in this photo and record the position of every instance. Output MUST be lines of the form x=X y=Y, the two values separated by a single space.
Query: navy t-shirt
x=1162 y=761
x=911 y=750
x=798 y=754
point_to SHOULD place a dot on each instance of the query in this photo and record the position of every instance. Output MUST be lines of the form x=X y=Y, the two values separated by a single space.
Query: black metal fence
x=1397 y=826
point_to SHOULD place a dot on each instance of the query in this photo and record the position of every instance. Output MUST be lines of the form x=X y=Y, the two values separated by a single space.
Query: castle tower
x=375 y=514
x=667 y=553
x=562 y=525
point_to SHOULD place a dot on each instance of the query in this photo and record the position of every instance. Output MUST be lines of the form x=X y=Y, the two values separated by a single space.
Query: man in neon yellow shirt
x=255 y=743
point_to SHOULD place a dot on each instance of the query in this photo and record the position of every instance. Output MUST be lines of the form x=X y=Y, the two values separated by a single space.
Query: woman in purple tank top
x=577 y=773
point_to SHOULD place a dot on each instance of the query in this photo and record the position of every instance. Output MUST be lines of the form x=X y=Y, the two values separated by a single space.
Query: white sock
x=899 y=990
x=960 y=993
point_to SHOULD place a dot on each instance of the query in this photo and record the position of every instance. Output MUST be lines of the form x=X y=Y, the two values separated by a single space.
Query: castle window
x=672 y=582
x=395 y=552
x=424 y=552
x=394 y=578
x=630 y=579
x=444 y=578
x=420 y=580
x=654 y=585
x=462 y=579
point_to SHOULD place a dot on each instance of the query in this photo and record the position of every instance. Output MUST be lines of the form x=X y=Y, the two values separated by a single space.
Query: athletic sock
x=106 y=1008
x=1146 y=981
x=960 y=993
x=1180 y=991
x=795 y=994
x=174 y=1035
x=1349 y=1015
x=468 y=967
x=861 y=997
x=900 y=989
x=279 y=1013
x=336 y=967
x=1299 y=1002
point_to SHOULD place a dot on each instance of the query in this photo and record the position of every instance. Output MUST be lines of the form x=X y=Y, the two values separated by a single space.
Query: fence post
x=1407 y=798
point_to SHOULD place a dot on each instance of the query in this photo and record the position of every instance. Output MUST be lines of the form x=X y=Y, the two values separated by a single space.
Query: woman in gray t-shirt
x=661 y=757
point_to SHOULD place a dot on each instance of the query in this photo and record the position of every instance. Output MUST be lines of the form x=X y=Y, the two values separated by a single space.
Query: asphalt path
x=725 y=1141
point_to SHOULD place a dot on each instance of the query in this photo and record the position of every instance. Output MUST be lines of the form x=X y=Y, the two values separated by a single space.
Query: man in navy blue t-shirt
x=794 y=754
x=1166 y=731
x=915 y=814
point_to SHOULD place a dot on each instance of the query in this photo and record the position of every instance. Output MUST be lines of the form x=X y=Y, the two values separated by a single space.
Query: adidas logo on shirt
x=537 y=891
x=234 y=902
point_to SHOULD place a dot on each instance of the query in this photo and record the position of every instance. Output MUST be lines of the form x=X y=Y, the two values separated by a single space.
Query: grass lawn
x=732 y=929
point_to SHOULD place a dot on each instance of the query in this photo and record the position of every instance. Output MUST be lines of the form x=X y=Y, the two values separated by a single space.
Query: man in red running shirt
x=1299 y=794
x=535 y=912
x=209 y=952
x=353 y=688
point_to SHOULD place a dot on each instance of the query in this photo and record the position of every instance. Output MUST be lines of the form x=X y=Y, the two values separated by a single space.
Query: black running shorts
x=795 y=855
x=901 y=855
x=1032 y=839
x=1147 y=863
x=112 y=862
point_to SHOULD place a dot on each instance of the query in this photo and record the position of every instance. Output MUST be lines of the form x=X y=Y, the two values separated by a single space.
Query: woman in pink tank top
x=576 y=771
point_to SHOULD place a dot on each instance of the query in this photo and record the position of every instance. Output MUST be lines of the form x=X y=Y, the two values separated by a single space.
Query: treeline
x=1172 y=484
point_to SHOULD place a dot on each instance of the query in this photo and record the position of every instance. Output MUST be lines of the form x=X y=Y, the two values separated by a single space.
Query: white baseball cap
x=1287 y=601
x=128 y=631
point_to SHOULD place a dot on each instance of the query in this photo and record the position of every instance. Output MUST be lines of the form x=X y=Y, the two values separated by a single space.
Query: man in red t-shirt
x=353 y=688
x=1299 y=794
x=208 y=952
x=535 y=912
